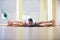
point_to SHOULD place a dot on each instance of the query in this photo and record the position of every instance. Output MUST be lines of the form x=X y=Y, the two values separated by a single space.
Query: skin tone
x=10 y=23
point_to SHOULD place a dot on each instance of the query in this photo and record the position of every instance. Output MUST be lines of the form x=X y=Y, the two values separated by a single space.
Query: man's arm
x=16 y=23
x=46 y=23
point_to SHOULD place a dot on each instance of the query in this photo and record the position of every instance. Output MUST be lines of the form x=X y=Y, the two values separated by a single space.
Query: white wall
x=58 y=12
x=31 y=8
x=10 y=7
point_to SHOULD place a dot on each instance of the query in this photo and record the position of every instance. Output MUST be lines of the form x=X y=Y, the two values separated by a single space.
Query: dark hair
x=30 y=19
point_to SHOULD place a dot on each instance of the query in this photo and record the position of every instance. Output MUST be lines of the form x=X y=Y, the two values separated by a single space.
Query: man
x=30 y=23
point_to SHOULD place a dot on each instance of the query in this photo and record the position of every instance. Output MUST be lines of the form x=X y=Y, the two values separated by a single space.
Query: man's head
x=30 y=20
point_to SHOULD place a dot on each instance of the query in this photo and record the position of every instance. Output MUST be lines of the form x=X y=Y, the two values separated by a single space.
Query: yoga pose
x=30 y=23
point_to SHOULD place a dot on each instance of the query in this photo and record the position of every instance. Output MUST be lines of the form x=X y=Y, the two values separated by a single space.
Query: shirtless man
x=30 y=23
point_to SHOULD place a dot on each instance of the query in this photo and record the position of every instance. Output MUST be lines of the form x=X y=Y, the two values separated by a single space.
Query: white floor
x=27 y=33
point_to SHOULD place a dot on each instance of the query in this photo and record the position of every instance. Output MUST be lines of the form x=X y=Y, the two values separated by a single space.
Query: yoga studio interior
x=29 y=19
